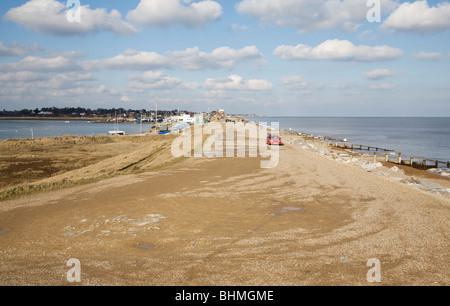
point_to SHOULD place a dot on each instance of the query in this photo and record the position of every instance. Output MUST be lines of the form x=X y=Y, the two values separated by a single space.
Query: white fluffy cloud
x=158 y=80
x=153 y=80
x=236 y=82
x=419 y=17
x=189 y=59
x=69 y=80
x=294 y=82
x=237 y=26
x=50 y=17
x=311 y=15
x=10 y=78
x=163 y=13
x=298 y=84
x=29 y=85
x=130 y=60
x=223 y=57
x=18 y=49
x=125 y=99
x=45 y=80
x=338 y=50
x=82 y=91
x=428 y=55
x=57 y=63
x=378 y=74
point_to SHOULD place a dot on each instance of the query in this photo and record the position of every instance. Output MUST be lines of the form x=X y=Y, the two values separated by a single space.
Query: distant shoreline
x=93 y=120
x=54 y=118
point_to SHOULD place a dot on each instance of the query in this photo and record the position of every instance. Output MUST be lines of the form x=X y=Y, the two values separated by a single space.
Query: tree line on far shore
x=76 y=112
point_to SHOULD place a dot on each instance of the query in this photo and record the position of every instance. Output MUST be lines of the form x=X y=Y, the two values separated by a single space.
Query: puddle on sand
x=288 y=209
x=163 y=174
x=146 y=246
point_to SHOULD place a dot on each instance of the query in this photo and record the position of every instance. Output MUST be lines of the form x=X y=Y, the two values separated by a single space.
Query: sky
x=268 y=57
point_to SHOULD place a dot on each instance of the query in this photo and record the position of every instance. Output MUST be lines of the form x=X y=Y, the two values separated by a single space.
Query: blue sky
x=272 y=57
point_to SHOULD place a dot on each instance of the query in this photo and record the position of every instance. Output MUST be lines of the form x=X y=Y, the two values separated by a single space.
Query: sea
x=419 y=137
x=12 y=129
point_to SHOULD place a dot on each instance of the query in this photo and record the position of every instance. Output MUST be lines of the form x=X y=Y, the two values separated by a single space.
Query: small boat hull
x=117 y=133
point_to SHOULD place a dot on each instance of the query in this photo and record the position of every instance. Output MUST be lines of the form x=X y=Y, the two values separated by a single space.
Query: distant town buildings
x=120 y=114
x=184 y=118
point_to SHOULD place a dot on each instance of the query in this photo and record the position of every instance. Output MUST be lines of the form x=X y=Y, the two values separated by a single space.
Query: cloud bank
x=339 y=50
x=190 y=59
x=419 y=17
x=50 y=17
x=310 y=15
x=236 y=82
x=163 y=13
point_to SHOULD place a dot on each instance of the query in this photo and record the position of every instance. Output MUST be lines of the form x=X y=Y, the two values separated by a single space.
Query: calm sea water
x=420 y=137
x=50 y=128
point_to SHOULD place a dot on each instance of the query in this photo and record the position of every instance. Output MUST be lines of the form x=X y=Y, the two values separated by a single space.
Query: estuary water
x=52 y=128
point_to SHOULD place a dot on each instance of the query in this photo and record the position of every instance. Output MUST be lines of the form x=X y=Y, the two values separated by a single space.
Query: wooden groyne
x=418 y=162
x=379 y=154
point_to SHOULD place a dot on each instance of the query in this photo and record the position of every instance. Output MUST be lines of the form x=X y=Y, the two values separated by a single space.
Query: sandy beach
x=313 y=220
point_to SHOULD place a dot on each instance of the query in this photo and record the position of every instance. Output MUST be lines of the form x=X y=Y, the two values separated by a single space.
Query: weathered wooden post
x=374 y=157
x=387 y=157
x=411 y=161
x=437 y=164
x=399 y=158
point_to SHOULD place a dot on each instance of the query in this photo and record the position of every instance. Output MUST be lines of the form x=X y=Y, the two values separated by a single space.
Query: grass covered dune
x=28 y=166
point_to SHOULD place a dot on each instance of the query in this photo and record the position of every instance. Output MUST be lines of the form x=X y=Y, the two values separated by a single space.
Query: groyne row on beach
x=370 y=164
x=375 y=154
x=378 y=154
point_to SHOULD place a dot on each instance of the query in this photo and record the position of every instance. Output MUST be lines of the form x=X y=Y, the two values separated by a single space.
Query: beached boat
x=116 y=129
x=116 y=133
